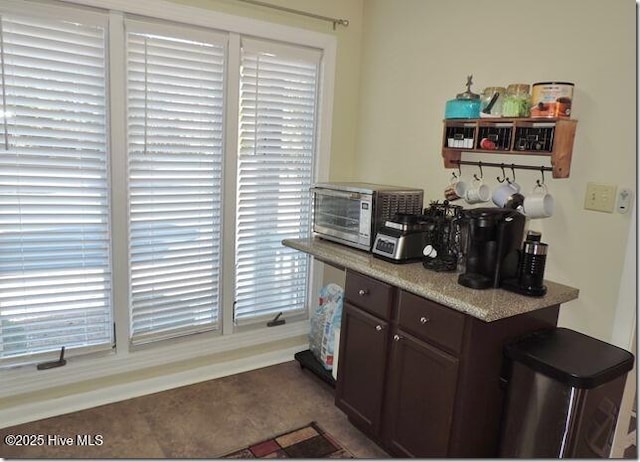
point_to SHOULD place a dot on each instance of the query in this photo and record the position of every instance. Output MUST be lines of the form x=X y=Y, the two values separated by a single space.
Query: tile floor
x=204 y=420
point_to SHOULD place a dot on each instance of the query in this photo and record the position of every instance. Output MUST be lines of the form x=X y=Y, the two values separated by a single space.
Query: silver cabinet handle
x=363 y=292
x=330 y=192
x=396 y=337
x=378 y=327
x=424 y=320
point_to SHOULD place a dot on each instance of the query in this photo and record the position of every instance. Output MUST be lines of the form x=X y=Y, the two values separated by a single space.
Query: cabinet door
x=363 y=352
x=419 y=406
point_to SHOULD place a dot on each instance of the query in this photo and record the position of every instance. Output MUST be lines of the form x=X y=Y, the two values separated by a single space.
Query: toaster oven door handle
x=332 y=192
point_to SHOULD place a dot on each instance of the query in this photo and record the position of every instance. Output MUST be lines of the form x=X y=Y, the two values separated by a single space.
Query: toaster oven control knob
x=363 y=292
x=378 y=327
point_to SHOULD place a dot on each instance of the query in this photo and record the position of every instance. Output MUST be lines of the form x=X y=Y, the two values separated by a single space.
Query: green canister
x=517 y=102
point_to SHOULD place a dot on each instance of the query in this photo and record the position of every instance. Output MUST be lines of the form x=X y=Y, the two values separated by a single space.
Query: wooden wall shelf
x=511 y=136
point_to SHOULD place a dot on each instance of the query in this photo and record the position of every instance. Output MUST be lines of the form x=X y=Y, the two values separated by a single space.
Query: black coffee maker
x=493 y=242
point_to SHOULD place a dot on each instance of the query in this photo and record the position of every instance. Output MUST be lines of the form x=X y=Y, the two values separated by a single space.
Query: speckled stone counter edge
x=487 y=305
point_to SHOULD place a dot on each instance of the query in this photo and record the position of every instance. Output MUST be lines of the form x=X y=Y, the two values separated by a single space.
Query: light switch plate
x=600 y=197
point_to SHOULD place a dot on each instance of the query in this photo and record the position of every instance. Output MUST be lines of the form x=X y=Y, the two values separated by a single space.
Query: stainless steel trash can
x=563 y=395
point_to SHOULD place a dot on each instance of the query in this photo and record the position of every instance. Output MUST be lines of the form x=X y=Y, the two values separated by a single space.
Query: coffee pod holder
x=443 y=237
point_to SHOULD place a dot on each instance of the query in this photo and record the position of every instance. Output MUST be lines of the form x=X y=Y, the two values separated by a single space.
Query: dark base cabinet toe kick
x=421 y=379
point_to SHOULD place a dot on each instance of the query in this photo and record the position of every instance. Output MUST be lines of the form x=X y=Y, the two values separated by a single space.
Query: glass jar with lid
x=517 y=101
x=487 y=95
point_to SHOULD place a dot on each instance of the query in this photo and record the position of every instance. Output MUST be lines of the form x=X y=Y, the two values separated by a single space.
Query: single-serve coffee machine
x=494 y=236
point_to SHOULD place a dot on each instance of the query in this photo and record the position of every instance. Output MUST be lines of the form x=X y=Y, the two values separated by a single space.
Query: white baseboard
x=76 y=402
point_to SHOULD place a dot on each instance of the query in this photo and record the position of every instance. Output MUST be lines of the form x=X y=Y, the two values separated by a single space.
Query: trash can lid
x=571 y=357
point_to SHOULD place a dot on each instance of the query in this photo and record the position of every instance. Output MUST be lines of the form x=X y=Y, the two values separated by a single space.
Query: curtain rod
x=342 y=22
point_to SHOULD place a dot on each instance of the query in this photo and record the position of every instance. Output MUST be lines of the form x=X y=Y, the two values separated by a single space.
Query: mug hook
x=513 y=170
x=459 y=175
x=541 y=182
x=504 y=177
x=481 y=174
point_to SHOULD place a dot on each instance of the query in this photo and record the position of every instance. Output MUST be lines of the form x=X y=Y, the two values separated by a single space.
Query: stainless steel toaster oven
x=352 y=213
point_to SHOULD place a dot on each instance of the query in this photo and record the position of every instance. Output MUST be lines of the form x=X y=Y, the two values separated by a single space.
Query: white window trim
x=229 y=181
x=54 y=11
x=27 y=379
x=119 y=185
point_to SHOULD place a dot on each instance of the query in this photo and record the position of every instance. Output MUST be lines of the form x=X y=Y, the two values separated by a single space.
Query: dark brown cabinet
x=419 y=405
x=419 y=378
x=363 y=355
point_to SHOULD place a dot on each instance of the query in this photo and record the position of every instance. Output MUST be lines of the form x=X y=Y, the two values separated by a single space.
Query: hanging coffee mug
x=479 y=192
x=456 y=189
x=538 y=204
x=503 y=192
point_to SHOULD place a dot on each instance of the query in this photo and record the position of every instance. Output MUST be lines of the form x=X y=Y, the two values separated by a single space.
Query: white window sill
x=27 y=379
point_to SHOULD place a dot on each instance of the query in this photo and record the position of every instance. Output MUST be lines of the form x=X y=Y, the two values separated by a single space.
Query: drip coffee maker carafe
x=494 y=236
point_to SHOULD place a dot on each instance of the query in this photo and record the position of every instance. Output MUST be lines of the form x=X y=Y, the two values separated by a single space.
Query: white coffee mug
x=478 y=192
x=503 y=192
x=456 y=190
x=538 y=204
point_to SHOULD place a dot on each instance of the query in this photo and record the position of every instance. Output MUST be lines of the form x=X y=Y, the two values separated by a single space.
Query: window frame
x=88 y=17
x=254 y=45
x=124 y=358
x=140 y=27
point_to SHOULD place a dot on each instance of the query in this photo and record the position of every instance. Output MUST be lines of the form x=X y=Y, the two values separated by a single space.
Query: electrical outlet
x=600 y=197
x=624 y=200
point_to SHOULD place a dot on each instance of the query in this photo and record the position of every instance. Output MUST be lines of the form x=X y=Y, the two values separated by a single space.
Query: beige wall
x=416 y=56
x=347 y=61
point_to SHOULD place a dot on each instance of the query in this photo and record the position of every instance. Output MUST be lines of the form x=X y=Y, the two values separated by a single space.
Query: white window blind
x=278 y=101
x=55 y=272
x=175 y=111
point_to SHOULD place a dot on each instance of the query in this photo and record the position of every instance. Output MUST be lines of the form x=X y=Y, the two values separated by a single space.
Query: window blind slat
x=277 y=122
x=173 y=266
x=55 y=269
x=175 y=113
x=175 y=303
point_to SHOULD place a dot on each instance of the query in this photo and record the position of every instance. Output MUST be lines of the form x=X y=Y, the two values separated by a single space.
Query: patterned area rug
x=310 y=441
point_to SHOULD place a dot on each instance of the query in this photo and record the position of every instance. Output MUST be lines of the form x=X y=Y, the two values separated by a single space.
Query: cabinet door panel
x=419 y=407
x=363 y=352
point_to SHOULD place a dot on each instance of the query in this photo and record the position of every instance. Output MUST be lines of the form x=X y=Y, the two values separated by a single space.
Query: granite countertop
x=487 y=305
